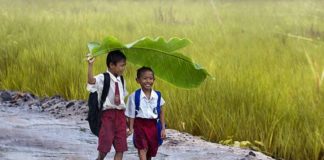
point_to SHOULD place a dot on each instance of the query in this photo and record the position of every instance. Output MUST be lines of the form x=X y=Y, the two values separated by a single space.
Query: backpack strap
x=105 y=89
x=122 y=80
x=137 y=100
x=158 y=107
x=159 y=124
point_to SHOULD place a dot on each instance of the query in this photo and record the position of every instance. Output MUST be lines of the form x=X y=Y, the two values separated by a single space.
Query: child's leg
x=145 y=134
x=148 y=156
x=118 y=156
x=142 y=154
x=106 y=134
x=101 y=156
x=120 y=139
x=152 y=141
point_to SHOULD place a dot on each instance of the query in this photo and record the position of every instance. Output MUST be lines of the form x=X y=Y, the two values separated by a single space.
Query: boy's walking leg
x=142 y=154
x=120 y=139
x=148 y=157
x=118 y=156
x=106 y=134
x=101 y=156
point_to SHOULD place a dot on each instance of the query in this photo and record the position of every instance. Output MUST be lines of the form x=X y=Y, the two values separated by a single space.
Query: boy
x=113 y=120
x=143 y=122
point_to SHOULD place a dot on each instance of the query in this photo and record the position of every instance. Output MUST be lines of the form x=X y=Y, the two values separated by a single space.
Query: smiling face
x=146 y=80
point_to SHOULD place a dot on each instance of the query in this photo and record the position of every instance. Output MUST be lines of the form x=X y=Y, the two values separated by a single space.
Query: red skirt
x=113 y=131
x=145 y=135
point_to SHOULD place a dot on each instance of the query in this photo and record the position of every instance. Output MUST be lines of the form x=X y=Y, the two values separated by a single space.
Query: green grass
x=264 y=89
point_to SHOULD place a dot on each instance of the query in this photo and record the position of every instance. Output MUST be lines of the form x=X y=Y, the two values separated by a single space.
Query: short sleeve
x=125 y=90
x=162 y=101
x=95 y=87
x=130 y=106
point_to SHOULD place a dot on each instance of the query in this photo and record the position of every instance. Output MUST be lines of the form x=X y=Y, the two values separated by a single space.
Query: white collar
x=113 y=77
x=152 y=96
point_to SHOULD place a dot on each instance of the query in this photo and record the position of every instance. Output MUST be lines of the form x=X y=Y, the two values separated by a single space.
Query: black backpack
x=94 y=113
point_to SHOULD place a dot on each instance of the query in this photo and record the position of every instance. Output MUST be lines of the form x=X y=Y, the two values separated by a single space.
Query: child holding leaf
x=113 y=120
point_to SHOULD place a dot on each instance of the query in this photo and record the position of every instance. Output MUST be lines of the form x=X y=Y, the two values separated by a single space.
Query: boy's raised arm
x=91 y=79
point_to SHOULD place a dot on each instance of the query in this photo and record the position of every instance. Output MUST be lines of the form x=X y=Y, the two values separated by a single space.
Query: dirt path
x=28 y=133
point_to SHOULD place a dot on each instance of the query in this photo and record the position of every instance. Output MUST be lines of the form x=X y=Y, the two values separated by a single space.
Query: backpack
x=158 y=109
x=95 y=108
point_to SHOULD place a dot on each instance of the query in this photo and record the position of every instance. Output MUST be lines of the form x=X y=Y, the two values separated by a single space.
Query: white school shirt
x=109 y=103
x=147 y=108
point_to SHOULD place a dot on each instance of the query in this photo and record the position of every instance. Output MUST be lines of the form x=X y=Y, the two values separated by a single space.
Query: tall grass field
x=266 y=59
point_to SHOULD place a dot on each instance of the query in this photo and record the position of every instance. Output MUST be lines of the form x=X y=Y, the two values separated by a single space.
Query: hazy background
x=267 y=58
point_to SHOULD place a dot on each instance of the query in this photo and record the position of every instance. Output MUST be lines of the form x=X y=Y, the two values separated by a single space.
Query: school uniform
x=145 y=130
x=113 y=120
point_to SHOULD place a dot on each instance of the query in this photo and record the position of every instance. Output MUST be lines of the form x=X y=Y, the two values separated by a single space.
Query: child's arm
x=163 y=134
x=91 y=79
x=130 y=114
x=131 y=126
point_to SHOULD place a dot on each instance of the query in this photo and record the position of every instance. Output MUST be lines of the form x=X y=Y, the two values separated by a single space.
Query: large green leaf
x=108 y=44
x=161 y=56
x=160 y=44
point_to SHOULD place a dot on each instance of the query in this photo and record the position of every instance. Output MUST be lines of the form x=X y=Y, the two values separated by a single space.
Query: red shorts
x=112 y=131
x=145 y=135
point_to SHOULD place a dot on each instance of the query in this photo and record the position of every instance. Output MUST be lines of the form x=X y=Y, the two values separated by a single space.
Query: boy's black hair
x=114 y=57
x=143 y=69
